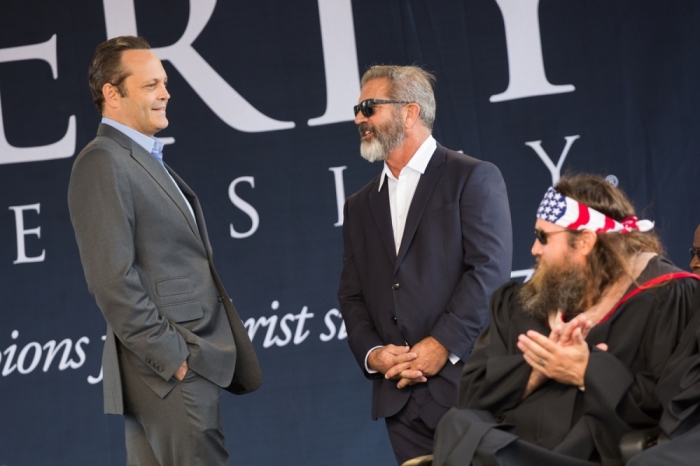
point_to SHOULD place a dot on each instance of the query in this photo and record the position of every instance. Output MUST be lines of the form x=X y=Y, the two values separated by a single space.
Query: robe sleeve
x=493 y=379
x=620 y=396
x=679 y=387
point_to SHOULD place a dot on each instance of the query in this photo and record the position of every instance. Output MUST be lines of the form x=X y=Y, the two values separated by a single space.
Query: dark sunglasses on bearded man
x=367 y=106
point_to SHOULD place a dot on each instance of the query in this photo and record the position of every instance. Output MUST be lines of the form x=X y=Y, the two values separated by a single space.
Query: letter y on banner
x=220 y=97
x=554 y=170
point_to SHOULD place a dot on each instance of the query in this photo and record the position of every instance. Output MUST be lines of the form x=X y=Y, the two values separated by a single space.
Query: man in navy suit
x=425 y=244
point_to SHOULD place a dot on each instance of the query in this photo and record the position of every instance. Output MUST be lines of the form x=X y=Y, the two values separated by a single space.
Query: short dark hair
x=106 y=66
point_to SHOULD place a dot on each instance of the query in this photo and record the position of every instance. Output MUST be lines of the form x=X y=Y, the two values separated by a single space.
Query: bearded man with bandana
x=570 y=360
x=425 y=244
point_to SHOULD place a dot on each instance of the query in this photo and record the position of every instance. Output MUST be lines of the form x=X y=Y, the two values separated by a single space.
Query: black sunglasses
x=694 y=252
x=367 y=106
x=542 y=236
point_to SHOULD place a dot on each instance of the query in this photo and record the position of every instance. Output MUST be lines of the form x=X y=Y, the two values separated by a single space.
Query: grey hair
x=409 y=83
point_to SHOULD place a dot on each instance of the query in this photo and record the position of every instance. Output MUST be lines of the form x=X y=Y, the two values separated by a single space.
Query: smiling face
x=382 y=132
x=695 y=262
x=142 y=107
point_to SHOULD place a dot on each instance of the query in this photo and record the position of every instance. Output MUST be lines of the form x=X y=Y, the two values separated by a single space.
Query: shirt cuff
x=454 y=359
x=370 y=371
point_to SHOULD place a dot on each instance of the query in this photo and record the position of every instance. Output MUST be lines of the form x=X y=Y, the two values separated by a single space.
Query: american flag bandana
x=568 y=213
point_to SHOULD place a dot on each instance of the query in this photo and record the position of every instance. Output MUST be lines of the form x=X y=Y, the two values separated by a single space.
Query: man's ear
x=586 y=241
x=411 y=112
x=111 y=95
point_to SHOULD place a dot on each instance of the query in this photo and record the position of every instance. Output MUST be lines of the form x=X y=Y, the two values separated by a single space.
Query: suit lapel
x=196 y=207
x=154 y=169
x=381 y=210
x=425 y=187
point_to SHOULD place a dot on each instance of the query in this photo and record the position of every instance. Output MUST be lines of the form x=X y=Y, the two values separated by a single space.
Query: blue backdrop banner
x=261 y=127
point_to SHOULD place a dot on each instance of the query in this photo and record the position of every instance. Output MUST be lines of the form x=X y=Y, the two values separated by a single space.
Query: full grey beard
x=372 y=151
x=386 y=139
x=552 y=288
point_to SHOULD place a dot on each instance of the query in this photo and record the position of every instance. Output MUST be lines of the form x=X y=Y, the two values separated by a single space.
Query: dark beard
x=552 y=288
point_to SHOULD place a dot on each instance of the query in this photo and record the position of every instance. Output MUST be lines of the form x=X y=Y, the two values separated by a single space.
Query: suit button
x=394 y=319
x=395 y=286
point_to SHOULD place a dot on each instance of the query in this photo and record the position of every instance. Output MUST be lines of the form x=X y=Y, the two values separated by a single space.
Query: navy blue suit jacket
x=456 y=250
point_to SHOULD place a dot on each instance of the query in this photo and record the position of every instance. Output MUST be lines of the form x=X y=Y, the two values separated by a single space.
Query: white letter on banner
x=554 y=170
x=339 y=192
x=244 y=206
x=339 y=61
x=45 y=51
x=220 y=97
x=21 y=233
x=525 y=63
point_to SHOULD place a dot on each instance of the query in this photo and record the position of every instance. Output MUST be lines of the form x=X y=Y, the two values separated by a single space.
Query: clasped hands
x=409 y=365
x=563 y=356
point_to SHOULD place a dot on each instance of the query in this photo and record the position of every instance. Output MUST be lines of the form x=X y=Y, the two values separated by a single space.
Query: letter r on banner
x=45 y=51
x=220 y=97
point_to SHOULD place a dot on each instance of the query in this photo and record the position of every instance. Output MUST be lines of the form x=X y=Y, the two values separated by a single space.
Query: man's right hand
x=181 y=372
x=386 y=357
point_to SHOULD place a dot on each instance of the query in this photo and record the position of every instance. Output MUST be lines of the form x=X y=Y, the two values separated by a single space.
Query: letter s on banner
x=244 y=206
x=45 y=51
x=220 y=97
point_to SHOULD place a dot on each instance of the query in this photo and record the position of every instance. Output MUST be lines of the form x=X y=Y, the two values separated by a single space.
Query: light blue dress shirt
x=153 y=146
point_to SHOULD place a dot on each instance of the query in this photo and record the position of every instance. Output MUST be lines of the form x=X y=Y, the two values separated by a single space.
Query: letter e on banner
x=21 y=233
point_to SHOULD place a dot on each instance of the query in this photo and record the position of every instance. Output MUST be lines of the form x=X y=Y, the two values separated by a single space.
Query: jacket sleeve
x=362 y=335
x=487 y=241
x=101 y=207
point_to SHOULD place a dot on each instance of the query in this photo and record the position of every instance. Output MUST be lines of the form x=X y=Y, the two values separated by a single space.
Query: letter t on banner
x=525 y=62
x=217 y=94
x=45 y=51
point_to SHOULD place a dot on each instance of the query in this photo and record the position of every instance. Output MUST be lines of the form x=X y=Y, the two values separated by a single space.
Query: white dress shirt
x=401 y=191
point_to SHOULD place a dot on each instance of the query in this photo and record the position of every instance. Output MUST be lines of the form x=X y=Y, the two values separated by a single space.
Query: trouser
x=411 y=430
x=181 y=429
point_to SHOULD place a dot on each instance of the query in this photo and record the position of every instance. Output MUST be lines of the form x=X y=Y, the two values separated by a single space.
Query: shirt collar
x=419 y=161
x=148 y=143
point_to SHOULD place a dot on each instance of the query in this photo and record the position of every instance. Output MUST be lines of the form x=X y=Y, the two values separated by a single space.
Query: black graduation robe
x=679 y=393
x=642 y=331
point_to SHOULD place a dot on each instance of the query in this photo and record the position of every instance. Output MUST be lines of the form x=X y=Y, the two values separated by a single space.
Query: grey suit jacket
x=149 y=266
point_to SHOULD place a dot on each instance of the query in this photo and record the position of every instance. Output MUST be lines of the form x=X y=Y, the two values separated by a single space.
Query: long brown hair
x=609 y=259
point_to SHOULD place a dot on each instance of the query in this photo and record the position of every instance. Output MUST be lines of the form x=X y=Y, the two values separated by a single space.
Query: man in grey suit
x=173 y=336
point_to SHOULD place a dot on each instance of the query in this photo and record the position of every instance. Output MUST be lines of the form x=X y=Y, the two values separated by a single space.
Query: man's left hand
x=565 y=364
x=432 y=356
